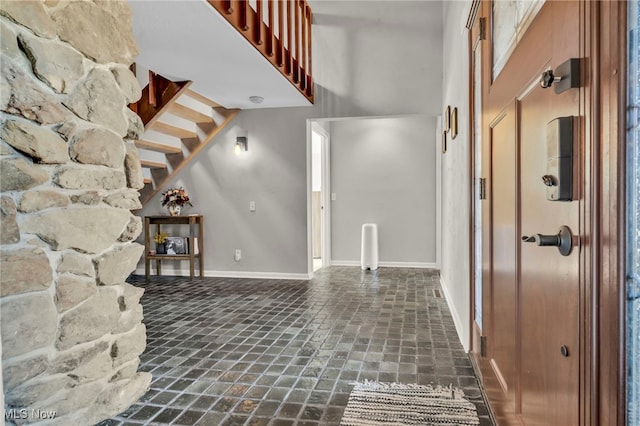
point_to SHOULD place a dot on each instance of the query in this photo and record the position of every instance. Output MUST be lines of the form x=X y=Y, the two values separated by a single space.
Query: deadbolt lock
x=547 y=79
x=548 y=180
x=565 y=77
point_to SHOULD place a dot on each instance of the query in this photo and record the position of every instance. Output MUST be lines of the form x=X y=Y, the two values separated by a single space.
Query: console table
x=193 y=221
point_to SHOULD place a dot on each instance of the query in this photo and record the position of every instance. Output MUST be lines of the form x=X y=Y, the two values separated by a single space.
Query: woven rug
x=373 y=403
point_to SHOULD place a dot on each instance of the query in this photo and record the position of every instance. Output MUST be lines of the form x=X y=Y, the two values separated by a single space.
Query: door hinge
x=483 y=346
x=483 y=188
x=482 y=27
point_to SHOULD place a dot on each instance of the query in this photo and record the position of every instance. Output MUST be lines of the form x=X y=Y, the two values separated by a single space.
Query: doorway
x=320 y=254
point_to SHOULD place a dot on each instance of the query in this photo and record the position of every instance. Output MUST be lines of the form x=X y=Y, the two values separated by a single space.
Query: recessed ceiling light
x=256 y=99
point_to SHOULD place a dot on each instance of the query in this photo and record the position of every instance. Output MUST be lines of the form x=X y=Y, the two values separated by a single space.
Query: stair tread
x=147 y=181
x=198 y=97
x=189 y=114
x=158 y=147
x=160 y=172
x=163 y=180
x=173 y=130
x=152 y=164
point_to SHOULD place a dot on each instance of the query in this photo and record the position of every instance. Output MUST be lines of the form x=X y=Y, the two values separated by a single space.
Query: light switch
x=252 y=206
x=333 y=196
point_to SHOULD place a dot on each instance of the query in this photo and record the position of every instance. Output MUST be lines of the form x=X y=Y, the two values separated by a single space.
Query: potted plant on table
x=161 y=239
x=174 y=199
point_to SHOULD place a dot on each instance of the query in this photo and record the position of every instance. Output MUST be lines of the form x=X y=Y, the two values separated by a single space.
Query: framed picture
x=454 y=123
x=176 y=245
x=444 y=142
x=447 y=119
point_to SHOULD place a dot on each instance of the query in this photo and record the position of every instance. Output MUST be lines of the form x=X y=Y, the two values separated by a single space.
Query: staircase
x=178 y=124
x=280 y=30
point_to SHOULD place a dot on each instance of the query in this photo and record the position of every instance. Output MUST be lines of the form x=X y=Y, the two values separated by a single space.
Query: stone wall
x=69 y=175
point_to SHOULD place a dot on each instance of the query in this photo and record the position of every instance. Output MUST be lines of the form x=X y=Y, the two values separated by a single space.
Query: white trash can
x=369 y=252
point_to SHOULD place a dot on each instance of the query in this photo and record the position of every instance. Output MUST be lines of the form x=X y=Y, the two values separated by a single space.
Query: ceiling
x=190 y=40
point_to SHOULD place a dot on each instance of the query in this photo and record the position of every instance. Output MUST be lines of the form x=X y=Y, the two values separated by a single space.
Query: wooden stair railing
x=287 y=46
x=160 y=98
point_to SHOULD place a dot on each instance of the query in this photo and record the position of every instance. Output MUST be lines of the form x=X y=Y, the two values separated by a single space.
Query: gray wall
x=377 y=58
x=369 y=59
x=383 y=172
x=455 y=171
x=272 y=173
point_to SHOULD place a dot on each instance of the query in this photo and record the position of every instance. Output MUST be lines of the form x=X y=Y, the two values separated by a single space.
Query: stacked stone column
x=71 y=327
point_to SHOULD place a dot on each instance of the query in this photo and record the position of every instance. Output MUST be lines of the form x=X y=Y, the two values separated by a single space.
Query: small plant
x=161 y=238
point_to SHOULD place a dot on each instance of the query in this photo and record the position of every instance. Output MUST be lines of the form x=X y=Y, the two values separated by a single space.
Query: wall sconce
x=241 y=145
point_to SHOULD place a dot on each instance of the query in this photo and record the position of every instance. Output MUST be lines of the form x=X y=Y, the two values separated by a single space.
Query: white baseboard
x=345 y=263
x=456 y=317
x=424 y=265
x=260 y=275
x=232 y=274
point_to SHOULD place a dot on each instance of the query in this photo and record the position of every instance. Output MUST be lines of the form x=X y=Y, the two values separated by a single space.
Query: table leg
x=201 y=246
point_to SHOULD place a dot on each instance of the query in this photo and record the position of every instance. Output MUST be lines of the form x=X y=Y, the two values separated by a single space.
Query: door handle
x=563 y=240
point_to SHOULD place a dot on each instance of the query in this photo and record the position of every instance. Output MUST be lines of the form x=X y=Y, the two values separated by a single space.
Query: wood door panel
x=503 y=235
x=549 y=281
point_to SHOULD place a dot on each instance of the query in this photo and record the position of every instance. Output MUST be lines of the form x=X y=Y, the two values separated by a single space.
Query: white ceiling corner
x=189 y=40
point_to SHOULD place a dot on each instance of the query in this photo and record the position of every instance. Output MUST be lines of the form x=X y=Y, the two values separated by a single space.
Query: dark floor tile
x=297 y=395
x=286 y=381
x=108 y=422
x=164 y=398
x=217 y=389
x=189 y=418
x=267 y=408
x=283 y=422
x=225 y=404
x=277 y=394
x=199 y=386
x=319 y=397
x=167 y=415
x=258 y=421
x=184 y=400
x=290 y=410
x=339 y=399
x=237 y=390
x=280 y=352
x=333 y=414
x=211 y=418
x=203 y=402
x=311 y=412
x=162 y=382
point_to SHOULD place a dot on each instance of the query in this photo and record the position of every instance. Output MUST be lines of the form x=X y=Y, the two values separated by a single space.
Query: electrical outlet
x=252 y=206
x=238 y=255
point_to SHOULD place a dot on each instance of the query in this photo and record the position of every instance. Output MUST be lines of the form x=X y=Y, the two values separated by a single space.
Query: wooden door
x=531 y=298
